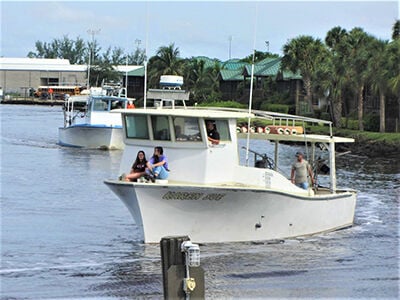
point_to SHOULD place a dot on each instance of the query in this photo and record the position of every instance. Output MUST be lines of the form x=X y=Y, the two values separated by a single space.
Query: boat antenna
x=145 y=58
x=251 y=89
x=126 y=76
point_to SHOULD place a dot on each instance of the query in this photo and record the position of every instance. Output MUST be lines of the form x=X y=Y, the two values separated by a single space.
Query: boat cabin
x=93 y=108
x=183 y=135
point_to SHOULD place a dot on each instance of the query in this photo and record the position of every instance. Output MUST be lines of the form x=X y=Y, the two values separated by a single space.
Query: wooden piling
x=173 y=269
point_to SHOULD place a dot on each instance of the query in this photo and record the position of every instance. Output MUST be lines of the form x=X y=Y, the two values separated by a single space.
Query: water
x=64 y=235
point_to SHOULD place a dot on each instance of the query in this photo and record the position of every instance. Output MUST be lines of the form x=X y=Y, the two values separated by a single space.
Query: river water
x=64 y=235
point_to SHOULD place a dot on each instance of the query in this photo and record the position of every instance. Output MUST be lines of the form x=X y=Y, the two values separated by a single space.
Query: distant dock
x=31 y=101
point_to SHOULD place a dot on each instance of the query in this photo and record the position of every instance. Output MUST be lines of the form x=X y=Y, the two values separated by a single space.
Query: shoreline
x=32 y=101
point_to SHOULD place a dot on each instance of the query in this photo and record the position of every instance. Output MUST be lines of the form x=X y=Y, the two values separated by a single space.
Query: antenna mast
x=251 y=90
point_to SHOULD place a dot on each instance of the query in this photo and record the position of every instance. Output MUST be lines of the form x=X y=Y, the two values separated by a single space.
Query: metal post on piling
x=183 y=278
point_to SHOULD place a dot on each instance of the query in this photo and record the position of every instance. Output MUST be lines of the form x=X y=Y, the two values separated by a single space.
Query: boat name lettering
x=213 y=197
x=192 y=196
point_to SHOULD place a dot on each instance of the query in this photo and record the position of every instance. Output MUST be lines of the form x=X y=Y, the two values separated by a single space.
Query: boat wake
x=31 y=143
x=72 y=266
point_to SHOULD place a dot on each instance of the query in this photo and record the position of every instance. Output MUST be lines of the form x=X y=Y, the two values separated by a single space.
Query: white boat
x=209 y=196
x=89 y=123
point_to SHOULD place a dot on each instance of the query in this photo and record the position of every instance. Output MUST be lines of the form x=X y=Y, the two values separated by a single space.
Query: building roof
x=138 y=72
x=208 y=62
x=48 y=64
x=270 y=67
x=38 y=64
x=231 y=75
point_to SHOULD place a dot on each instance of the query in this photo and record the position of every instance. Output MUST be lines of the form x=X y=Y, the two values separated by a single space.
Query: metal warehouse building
x=18 y=75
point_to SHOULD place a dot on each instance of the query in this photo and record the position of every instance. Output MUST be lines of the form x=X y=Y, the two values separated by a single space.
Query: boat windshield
x=100 y=105
x=136 y=127
x=161 y=130
x=222 y=127
x=185 y=129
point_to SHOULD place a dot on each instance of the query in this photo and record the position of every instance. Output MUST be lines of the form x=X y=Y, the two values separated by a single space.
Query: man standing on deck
x=300 y=171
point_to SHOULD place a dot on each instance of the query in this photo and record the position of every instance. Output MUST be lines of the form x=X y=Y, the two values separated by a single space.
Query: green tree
x=166 y=62
x=396 y=30
x=137 y=57
x=101 y=73
x=258 y=56
x=393 y=61
x=94 y=63
x=66 y=48
x=114 y=56
x=379 y=76
x=333 y=73
x=202 y=81
x=304 y=54
x=357 y=61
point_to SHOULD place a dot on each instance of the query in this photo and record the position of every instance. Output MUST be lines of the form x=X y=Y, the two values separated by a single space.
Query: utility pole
x=138 y=42
x=267 y=44
x=92 y=32
x=230 y=46
x=137 y=51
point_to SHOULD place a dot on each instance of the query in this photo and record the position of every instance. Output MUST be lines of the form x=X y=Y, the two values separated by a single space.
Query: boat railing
x=262 y=160
x=161 y=96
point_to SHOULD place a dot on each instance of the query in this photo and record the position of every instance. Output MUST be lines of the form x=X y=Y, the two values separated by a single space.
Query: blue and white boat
x=89 y=123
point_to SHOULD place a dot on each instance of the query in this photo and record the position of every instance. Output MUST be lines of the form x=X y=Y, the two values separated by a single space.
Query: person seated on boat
x=212 y=133
x=157 y=166
x=138 y=168
x=300 y=171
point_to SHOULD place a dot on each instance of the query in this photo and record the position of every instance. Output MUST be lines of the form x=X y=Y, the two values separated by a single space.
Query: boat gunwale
x=340 y=193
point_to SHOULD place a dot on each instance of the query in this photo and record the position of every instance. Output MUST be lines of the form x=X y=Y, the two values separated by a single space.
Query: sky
x=216 y=29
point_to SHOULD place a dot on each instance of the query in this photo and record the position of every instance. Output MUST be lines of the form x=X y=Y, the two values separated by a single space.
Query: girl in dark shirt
x=138 y=168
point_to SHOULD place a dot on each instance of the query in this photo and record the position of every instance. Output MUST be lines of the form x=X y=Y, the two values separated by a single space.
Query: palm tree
x=165 y=62
x=378 y=72
x=202 y=81
x=396 y=30
x=357 y=61
x=304 y=54
x=393 y=61
x=336 y=72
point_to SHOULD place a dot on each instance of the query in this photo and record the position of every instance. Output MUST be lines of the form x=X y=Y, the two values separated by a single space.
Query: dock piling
x=177 y=283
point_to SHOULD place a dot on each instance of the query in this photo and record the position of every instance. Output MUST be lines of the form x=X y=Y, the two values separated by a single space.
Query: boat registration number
x=192 y=196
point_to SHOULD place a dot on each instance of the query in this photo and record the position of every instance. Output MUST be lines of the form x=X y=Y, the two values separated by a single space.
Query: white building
x=18 y=75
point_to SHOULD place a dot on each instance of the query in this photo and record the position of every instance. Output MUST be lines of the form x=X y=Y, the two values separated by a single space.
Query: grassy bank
x=366 y=142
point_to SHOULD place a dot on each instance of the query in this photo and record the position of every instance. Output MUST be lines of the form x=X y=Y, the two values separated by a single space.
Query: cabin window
x=187 y=129
x=100 y=105
x=136 y=127
x=161 y=129
x=222 y=127
x=117 y=104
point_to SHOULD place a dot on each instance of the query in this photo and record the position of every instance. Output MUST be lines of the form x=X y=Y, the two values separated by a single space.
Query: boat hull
x=91 y=137
x=231 y=214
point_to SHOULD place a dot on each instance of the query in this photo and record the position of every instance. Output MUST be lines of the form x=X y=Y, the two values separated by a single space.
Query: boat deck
x=316 y=192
